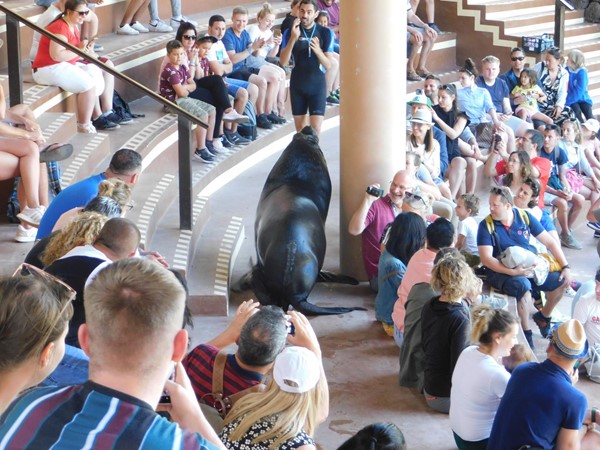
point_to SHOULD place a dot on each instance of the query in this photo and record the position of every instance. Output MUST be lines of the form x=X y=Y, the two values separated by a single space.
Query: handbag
x=575 y=179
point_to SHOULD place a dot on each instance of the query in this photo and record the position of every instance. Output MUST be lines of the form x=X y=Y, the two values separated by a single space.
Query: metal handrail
x=15 y=82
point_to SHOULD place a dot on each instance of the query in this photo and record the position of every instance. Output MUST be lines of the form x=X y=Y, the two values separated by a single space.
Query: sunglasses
x=28 y=270
x=417 y=197
x=504 y=192
x=83 y=13
x=189 y=37
x=517 y=58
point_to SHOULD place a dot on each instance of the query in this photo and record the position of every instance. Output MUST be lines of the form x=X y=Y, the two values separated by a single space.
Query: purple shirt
x=170 y=77
x=380 y=214
x=333 y=10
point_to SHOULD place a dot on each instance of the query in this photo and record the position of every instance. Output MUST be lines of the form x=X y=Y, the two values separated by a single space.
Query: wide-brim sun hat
x=422 y=116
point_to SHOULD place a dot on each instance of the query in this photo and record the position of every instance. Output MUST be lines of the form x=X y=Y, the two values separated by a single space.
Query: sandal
x=413 y=76
x=55 y=152
x=543 y=323
x=423 y=73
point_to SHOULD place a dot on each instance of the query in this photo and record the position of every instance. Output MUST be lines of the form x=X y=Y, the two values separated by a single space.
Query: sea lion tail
x=309 y=309
x=330 y=277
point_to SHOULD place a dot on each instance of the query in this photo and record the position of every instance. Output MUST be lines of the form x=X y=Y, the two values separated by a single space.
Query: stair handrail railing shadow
x=184 y=118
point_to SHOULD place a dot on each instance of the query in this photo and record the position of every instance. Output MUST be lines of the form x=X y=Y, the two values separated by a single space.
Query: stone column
x=372 y=110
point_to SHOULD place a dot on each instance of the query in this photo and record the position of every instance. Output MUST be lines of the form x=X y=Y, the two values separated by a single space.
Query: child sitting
x=526 y=95
x=467 y=207
x=176 y=84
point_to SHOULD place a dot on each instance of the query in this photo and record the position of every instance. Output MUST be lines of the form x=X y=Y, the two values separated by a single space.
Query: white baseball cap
x=296 y=370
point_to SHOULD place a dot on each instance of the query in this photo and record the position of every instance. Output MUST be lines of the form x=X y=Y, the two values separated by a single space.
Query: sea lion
x=289 y=230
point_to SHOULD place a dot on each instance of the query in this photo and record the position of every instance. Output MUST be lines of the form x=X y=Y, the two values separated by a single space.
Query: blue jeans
x=398 y=336
x=72 y=369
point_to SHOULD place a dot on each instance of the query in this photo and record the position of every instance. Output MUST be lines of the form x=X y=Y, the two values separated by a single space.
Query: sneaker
x=160 y=27
x=86 y=128
x=412 y=76
x=597 y=234
x=236 y=138
x=337 y=92
x=276 y=119
x=127 y=30
x=176 y=22
x=569 y=241
x=235 y=117
x=203 y=156
x=211 y=148
x=32 y=216
x=116 y=118
x=543 y=323
x=594 y=226
x=55 y=152
x=25 y=234
x=388 y=328
x=102 y=123
x=333 y=100
x=263 y=122
x=225 y=142
x=218 y=144
x=139 y=27
x=98 y=48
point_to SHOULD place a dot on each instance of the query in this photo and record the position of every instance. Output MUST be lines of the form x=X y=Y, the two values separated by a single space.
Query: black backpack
x=121 y=107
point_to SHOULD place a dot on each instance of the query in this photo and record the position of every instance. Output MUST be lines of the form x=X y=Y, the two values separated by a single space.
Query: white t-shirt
x=255 y=33
x=43 y=21
x=478 y=384
x=217 y=52
x=587 y=311
x=468 y=229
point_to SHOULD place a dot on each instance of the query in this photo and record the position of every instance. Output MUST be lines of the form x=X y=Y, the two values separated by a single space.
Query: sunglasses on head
x=504 y=192
x=517 y=58
x=83 y=13
x=417 y=197
x=28 y=270
x=189 y=37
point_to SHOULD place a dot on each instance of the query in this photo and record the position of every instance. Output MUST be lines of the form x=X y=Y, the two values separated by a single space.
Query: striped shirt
x=199 y=365
x=89 y=416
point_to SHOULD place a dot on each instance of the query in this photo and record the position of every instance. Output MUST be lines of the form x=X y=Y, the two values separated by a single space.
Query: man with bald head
x=373 y=214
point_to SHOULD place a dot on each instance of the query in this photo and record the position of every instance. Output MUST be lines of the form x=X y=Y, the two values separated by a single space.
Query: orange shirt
x=43 y=58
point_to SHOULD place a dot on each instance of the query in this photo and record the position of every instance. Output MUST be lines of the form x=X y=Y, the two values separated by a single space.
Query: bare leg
x=106 y=98
x=523 y=307
x=300 y=122
x=22 y=156
x=43 y=185
x=471 y=175
x=272 y=77
x=552 y=299
x=241 y=99
x=261 y=84
x=332 y=74
x=316 y=122
x=456 y=175
x=132 y=8
x=140 y=11
x=425 y=50
x=562 y=214
x=85 y=105
x=576 y=207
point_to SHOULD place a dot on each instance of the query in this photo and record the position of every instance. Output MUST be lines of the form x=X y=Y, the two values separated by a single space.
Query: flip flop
x=55 y=152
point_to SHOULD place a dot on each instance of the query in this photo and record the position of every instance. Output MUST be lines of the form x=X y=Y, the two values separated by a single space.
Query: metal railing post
x=559 y=22
x=184 y=127
x=13 y=50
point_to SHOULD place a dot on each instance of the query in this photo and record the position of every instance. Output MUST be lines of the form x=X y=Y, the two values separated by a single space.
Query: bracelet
x=566 y=266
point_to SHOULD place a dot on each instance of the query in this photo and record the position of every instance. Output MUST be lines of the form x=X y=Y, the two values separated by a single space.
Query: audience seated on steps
x=506 y=227
x=578 y=96
x=419 y=36
x=125 y=346
x=308 y=84
x=125 y=165
x=158 y=26
x=332 y=76
x=331 y=8
x=54 y=65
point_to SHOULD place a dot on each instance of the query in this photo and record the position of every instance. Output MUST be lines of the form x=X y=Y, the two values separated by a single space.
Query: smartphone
x=375 y=192
x=165 y=398
x=277 y=32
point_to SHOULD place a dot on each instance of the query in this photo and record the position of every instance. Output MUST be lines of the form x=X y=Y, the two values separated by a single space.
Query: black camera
x=375 y=192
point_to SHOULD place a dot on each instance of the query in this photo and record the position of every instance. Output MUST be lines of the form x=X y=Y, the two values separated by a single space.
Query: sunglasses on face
x=417 y=197
x=189 y=37
x=83 y=13
x=517 y=58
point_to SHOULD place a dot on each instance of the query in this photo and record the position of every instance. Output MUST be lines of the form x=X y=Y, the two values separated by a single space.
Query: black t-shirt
x=449 y=118
x=307 y=64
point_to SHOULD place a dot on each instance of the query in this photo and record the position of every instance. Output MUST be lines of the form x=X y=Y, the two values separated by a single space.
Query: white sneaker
x=139 y=27
x=218 y=144
x=235 y=117
x=25 y=234
x=160 y=27
x=127 y=30
x=176 y=22
x=86 y=128
x=32 y=216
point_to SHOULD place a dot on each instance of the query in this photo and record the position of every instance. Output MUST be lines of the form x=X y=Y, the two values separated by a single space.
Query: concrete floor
x=361 y=362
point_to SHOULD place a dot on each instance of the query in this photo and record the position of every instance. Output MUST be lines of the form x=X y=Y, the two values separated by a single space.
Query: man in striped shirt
x=133 y=336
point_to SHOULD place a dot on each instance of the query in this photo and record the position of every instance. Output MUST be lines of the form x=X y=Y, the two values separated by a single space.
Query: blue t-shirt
x=539 y=400
x=516 y=235
x=76 y=195
x=307 y=65
x=498 y=91
x=90 y=416
x=557 y=157
x=238 y=44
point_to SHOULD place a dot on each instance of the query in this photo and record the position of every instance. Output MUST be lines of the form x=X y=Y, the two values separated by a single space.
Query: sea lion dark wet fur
x=290 y=229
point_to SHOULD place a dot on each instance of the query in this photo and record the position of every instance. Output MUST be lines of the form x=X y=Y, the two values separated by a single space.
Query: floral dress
x=245 y=443
x=556 y=92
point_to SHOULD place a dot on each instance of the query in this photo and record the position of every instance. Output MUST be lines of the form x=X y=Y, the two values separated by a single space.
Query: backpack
x=121 y=107
x=215 y=399
x=248 y=129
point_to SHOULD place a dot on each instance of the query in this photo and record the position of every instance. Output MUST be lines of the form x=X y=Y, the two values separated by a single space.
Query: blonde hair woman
x=445 y=324
x=287 y=414
x=114 y=188
x=479 y=378
x=35 y=309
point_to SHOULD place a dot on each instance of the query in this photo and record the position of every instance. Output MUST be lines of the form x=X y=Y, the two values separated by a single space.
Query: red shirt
x=43 y=58
x=543 y=165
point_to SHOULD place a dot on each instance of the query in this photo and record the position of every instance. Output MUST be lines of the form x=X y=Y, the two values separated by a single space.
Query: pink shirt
x=380 y=214
x=418 y=271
